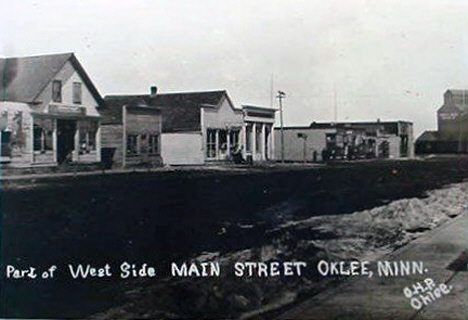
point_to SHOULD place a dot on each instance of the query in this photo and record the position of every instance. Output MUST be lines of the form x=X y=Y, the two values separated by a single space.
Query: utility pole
x=280 y=97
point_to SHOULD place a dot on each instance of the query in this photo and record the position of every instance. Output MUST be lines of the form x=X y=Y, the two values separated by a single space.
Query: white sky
x=387 y=59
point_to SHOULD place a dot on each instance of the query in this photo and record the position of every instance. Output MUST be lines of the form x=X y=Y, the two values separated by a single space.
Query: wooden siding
x=111 y=141
x=182 y=148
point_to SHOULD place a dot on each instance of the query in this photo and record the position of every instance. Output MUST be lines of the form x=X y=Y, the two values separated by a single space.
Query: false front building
x=205 y=127
x=258 y=132
x=131 y=133
x=49 y=111
x=345 y=140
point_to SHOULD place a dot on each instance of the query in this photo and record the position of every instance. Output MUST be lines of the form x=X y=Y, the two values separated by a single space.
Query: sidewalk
x=210 y=168
x=383 y=298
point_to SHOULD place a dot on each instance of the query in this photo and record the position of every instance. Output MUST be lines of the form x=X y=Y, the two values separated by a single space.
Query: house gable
x=222 y=115
x=30 y=80
x=68 y=76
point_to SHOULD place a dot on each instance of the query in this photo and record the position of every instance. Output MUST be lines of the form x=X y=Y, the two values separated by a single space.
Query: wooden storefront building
x=48 y=112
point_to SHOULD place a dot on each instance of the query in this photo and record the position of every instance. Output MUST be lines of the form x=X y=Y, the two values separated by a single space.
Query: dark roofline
x=259 y=108
x=144 y=107
x=294 y=128
x=457 y=91
x=193 y=92
x=123 y=96
x=359 y=123
x=86 y=79
x=163 y=93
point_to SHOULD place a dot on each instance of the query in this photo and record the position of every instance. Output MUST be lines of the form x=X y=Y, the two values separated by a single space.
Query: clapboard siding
x=111 y=141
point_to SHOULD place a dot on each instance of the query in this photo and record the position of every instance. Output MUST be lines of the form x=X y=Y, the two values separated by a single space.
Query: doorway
x=66 y=130
x=5 y=148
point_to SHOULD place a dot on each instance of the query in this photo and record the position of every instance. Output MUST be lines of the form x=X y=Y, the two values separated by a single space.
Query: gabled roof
x=24 y=78
x=197 y=99
x=428 y=136
x=180 y=111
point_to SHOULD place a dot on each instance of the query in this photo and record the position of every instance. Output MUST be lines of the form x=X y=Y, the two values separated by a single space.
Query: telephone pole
x=280 y=97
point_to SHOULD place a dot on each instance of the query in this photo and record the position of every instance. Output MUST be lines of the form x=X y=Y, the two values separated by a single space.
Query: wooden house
x=48 y=111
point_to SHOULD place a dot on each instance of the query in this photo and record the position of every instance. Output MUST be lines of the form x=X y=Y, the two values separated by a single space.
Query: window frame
x=43 y=143
x=132 y=146
x=211 y=143
x=57 y=91
x=153 y=144
x=77 y=93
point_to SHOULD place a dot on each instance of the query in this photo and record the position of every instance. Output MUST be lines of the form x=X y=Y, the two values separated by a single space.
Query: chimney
x=448 y=97
x=153 y=91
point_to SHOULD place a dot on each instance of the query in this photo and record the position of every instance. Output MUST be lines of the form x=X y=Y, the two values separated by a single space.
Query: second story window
x=77 y=92
x=57 y=91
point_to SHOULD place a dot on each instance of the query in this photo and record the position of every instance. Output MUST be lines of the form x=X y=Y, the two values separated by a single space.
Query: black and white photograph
x=234 y=159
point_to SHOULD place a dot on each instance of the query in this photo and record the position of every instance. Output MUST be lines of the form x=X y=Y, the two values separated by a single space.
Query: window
x=143 y=144
x=248 y=140
x=57 y=91
x=234 y=139
x=77 y=92
x=211 y=143
x=222 y=140
x=331 y=140
x=42 y=136
x=132 y=144
x=88 y=130
x=258 y=138
x=87 y=141
x=153 y=144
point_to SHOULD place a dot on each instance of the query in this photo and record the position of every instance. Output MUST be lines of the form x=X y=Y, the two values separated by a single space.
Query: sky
x=371 y=59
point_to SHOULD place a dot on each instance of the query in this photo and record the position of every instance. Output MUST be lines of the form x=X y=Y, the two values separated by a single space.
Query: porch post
x=272 y=142
x=98 y=142
x=77 y=143
x=54 y=139
x=228 y=143
x=254 y=140
x=263 y=142
x=244 y=139
x=217 y=144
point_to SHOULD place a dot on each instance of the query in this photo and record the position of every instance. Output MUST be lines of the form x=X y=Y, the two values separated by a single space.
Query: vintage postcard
x=176 y=159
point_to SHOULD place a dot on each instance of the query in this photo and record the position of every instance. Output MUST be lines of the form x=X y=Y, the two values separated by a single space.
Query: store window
x=248 y=141
x=258 y=138
x=234 y=139
x=153 y=144
x=88 y=131
x=132 y=144
x=43 y=135
x=211 y=143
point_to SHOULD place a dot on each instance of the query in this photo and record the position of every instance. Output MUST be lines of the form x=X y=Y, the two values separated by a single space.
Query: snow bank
x=368 y=233
x=362 y=235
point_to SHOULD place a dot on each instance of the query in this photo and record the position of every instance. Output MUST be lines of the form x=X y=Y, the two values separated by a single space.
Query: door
x=5 y=148
x=66 y=130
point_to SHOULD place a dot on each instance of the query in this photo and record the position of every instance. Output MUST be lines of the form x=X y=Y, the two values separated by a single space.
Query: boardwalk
x=383 y=298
